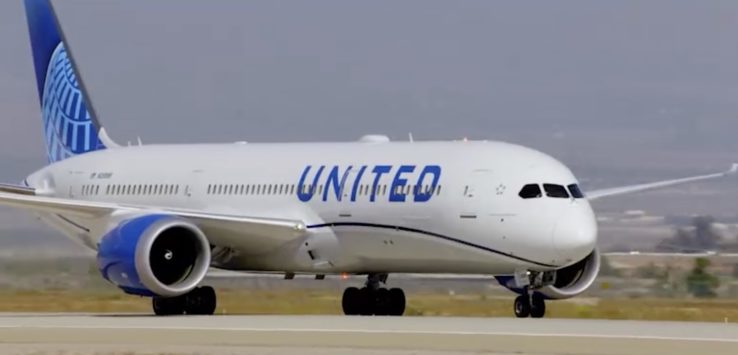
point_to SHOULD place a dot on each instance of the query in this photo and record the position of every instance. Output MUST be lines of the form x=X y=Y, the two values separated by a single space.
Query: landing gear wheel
x=367 y=301
x=200 y=301
x=351 y=301
x=168 y=306
x=382 y=302
x=373 y=299
x=206 y=301
x=522 y=306
x=397 y=302
x=537 y=306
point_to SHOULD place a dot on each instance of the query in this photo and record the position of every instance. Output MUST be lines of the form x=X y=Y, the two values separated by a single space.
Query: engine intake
x=154 y=255
x=574 y=279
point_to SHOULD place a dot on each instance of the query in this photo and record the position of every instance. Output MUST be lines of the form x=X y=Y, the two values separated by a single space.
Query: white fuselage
x=472 y=219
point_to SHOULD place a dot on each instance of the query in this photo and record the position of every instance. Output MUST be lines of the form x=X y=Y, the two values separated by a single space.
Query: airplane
x=159 y=216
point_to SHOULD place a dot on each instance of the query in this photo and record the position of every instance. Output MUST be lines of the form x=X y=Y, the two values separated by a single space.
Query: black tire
x=397 y=302
x=382 y=302
x=200 y=301
x=366 y=301
x=208 y=301
x=168 y=306
x=522 y=306
x=160 y=306
x=351 y=301
x=537 y=306
x=192 y=302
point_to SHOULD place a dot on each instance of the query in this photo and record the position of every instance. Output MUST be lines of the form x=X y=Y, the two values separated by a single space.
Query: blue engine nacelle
x=568 y=282
x=154 y=255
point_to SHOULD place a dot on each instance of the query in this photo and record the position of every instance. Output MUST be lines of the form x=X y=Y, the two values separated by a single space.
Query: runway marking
x=389 y=331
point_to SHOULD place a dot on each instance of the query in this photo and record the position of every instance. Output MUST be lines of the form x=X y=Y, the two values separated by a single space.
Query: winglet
x=733 y=169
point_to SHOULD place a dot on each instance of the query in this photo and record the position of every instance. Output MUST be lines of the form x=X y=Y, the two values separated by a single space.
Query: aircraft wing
x=17 y=189
x=596 y=194
x=221 y=229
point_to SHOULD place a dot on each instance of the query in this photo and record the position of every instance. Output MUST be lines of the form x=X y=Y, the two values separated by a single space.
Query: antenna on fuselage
x=410 y=137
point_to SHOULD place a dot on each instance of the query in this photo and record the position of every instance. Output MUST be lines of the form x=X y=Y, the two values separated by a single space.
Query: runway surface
x=101 y=334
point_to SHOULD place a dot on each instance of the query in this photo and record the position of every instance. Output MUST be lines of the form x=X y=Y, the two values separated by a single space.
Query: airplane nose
x=575 y=233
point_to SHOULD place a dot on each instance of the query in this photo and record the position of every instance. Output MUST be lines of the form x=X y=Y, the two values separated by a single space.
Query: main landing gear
x=372 y=299
x=530 y=305
x=200 y=301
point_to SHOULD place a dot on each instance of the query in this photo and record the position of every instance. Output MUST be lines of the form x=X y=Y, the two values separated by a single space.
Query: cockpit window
x=575 y=191
x=530 y=191
x=555 y=191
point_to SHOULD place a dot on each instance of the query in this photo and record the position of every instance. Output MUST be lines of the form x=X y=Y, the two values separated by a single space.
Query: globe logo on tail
x=68 y=127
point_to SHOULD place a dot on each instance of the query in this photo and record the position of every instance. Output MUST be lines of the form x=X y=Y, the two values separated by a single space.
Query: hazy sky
x=607 y=86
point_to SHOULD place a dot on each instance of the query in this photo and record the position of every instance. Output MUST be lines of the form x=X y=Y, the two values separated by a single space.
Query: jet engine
x=154 y=255
x=573 y=279
x=564 y=283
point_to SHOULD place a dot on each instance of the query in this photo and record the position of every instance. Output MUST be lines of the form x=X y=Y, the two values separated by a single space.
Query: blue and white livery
x=158 y=216
x=69 y=128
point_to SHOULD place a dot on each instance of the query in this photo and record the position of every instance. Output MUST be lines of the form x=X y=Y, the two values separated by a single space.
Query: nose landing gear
x=372 y=299
x=533 y=306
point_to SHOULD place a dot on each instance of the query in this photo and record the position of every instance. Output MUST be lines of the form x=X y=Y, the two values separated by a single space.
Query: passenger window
x=575 y=191
x=555 y=191
x=530 y=191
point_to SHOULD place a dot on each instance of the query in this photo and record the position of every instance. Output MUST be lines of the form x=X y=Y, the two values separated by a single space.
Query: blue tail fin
x=70 y=126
